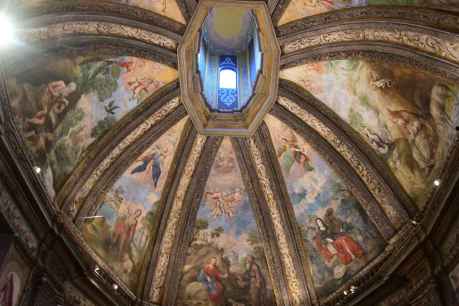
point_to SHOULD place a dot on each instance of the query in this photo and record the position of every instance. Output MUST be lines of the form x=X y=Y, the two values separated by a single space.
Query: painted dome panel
x=63 y=104
x=339 y=237
x=126 y=219
x=167 y=8
x=226 y=250
x=407 y=116
x=298 y=9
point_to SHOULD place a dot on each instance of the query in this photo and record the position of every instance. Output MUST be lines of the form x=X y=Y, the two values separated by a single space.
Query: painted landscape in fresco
x=298 y=9
x=61 y=105
x=124 y=221
x=225 y=262
x=454 y=278
x=338 y=234
x=14 y=273
x=407 y=116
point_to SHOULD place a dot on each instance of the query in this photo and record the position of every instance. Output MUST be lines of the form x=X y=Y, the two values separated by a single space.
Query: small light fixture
x=115 y=286
x=353 y=289
x=346 y=293
x=436 y=182
x=37 y=169
x=8 y=34
x=97 y=270
x=414 y=222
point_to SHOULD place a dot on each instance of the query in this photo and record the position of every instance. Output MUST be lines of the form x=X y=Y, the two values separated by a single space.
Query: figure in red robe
x=339 y=244
x=210 y=276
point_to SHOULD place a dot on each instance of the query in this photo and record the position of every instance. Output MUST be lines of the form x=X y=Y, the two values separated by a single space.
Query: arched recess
x=409 y=16
x=108 y=10
x=429 y=41
x=373 y=52
x=289 y=11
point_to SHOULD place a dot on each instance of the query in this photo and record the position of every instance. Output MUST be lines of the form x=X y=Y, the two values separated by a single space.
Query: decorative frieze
x=59 y=30
x=433 y=42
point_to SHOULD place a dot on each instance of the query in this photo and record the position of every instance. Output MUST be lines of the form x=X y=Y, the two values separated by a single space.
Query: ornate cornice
x=125 y=14
x=176 y=210
x=411 y=16
x=437 y=43
x=102 y=28
x=371 y=170
x=374 y=51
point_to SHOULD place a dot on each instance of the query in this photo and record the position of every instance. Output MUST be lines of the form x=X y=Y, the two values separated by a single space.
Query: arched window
x=228 y=78
x=227 y=84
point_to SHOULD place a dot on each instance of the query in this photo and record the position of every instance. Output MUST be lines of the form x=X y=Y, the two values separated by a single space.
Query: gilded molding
x=73 y=207
x=434 y=42
x=58 y=30
x=17 y=222
x=167 y=242
x=406 y=15
x=378 y=189
x=374 y=51
x=293 y=282
x=102 y=9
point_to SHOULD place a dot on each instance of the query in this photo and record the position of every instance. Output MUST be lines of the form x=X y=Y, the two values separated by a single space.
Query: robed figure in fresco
x=210 y=276
x=257 y=283
x=333 y=242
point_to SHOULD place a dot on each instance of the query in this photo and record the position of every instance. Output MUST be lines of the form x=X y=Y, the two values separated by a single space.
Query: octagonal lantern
x=229 y=65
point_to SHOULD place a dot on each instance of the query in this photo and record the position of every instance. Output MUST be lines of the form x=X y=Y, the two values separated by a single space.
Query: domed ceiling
x=330 y=192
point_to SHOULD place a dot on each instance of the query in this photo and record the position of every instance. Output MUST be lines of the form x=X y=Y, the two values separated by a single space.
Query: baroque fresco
x=61 y=105
x=337 y=233
x=407 y=116
x=125 y=220
x=298 y=9
x=14 y=273
x=454 y=278
x=225 y=263
x=168 y=8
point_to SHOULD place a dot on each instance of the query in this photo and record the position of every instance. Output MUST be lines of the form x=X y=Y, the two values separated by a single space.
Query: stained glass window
x=227 y=89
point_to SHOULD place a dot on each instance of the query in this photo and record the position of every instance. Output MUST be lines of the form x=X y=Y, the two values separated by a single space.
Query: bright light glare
x=228 y=79
x=6 y=31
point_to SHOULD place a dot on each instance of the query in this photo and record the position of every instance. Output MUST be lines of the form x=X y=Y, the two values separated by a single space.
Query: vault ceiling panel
x=63 y=104
x=298 y=9
x=407 y=116
x=225 y=229
x=344 y=240
x=125 y=219
x=167 y=8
